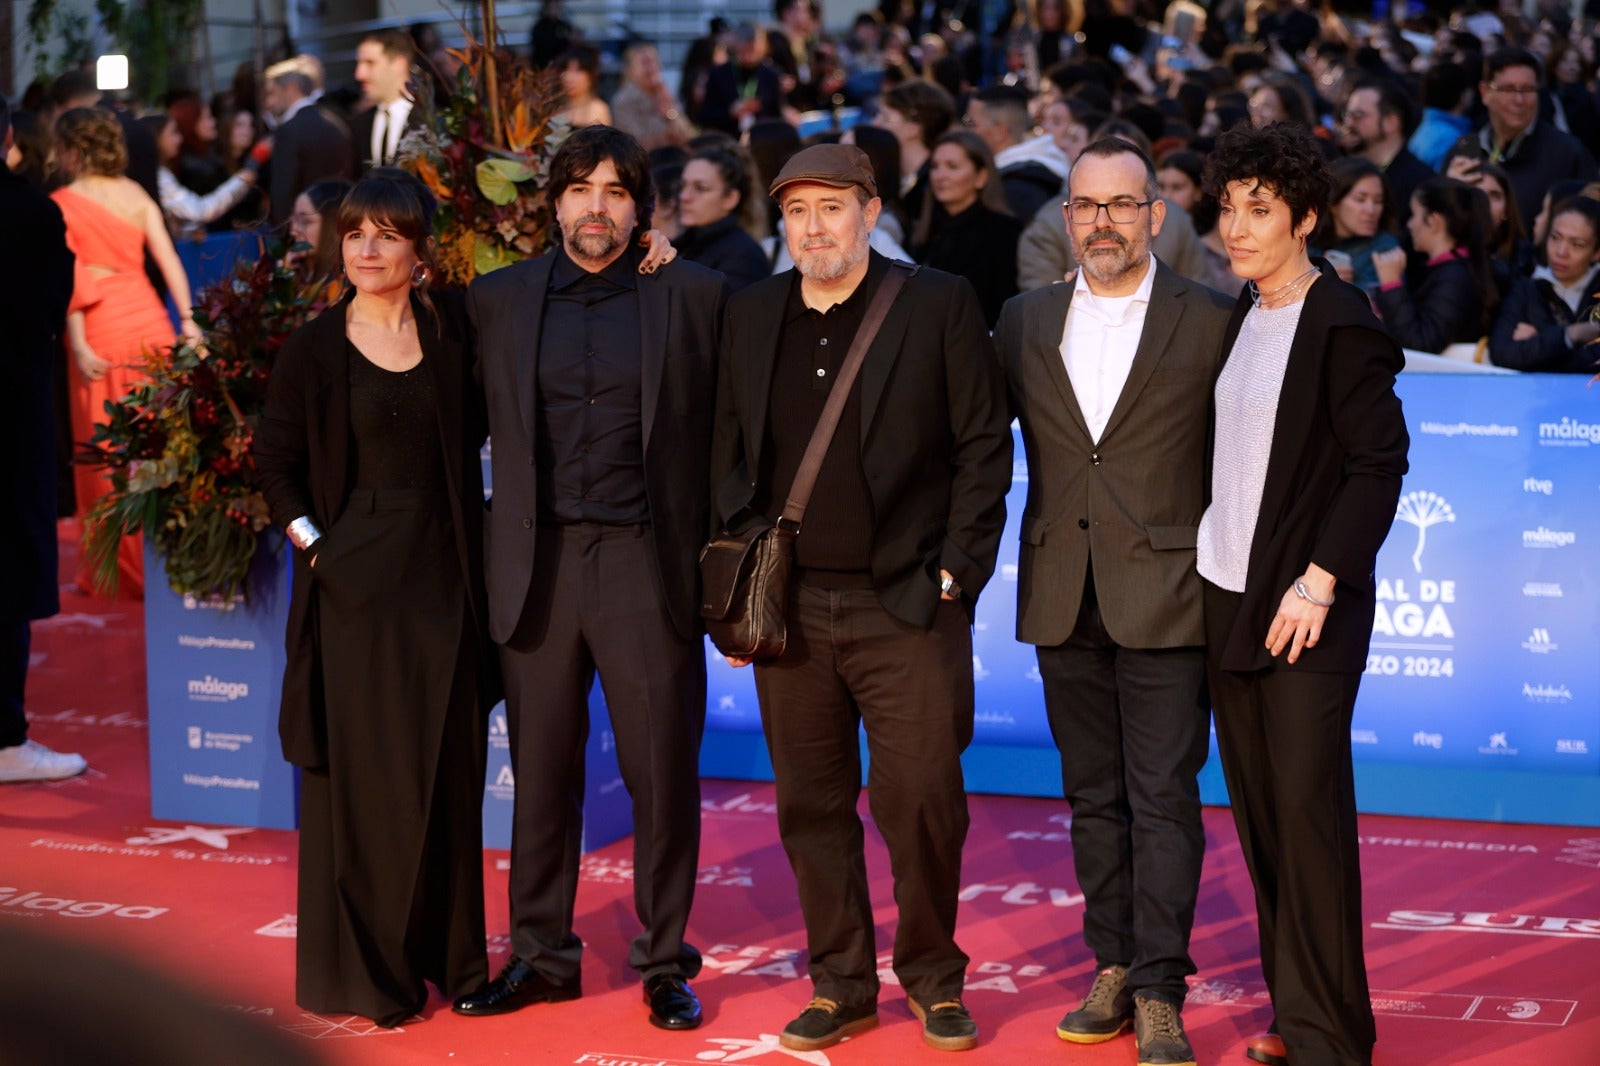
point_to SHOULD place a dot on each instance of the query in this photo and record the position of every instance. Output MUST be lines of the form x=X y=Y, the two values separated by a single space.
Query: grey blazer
x=1131 y=504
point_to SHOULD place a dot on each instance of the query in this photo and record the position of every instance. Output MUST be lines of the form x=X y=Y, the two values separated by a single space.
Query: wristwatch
x=949 y=587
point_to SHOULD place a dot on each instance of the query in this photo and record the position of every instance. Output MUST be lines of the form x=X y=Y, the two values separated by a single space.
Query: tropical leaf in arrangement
x=490 y=182
x=498 y=178
x=487 y=256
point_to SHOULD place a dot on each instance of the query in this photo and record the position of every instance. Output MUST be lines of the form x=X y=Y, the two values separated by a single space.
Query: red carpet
x=1483 y=941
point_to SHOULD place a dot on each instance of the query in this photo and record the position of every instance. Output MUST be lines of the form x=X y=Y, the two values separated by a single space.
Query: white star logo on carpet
x=320 y=1028
x=216 y=838
x=732 y=1049
x=92 y=621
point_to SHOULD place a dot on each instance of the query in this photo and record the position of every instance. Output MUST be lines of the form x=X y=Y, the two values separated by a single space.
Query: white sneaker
x=32 y=761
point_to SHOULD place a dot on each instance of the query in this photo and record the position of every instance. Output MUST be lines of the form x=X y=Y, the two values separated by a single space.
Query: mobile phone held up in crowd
x=1120 y=55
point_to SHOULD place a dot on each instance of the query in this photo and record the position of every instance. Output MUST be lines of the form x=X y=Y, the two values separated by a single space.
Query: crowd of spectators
x=1454 y=140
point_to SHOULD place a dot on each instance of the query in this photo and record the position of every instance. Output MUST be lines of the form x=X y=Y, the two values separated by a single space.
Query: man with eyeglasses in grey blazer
x=1110 y=375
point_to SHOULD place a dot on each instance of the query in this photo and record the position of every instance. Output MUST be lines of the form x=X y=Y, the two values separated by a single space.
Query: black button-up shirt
x=837 y=532
x=590 y=442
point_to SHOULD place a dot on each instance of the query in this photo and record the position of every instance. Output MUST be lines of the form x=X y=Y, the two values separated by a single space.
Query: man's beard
x=827 y=260
x=594 y=245
x=1107 y=265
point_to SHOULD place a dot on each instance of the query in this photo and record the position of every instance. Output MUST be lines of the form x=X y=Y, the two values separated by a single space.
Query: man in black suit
x=311 y=142
x=383 y=69
x=36 y=277
x=900 y=536
x=599 y=384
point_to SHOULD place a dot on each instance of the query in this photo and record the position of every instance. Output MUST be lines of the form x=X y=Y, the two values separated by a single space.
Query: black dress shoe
x=672 y=1002
x=518 y=985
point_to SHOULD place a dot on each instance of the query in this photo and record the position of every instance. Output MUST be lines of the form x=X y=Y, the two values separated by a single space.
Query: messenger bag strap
x=805 y=478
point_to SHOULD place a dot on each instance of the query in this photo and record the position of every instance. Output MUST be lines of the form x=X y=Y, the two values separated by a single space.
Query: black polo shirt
x=589 y=441
x=836 y=537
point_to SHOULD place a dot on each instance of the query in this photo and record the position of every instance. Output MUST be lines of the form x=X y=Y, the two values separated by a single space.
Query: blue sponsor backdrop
x=1481 y=700
x=215 y=674
x=214 y=671
x=607 y=811
x=1482 y=695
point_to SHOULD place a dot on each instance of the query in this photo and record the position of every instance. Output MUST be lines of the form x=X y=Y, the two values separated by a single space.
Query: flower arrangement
x=486 y=156
x=178 y=447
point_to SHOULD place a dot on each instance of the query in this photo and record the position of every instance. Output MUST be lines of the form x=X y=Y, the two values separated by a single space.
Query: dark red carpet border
x=1483 y=940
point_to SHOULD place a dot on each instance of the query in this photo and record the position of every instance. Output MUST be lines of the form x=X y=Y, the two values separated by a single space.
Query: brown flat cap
x=839 y=165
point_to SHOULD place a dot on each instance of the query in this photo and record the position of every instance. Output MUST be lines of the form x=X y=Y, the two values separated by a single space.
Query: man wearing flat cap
x=898 y=539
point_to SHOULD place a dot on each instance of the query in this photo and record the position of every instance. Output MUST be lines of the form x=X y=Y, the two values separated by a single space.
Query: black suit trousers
x=850 y=662
x=15 y=638
x=596 y=607
x=1130 y=724
x=1284 y=736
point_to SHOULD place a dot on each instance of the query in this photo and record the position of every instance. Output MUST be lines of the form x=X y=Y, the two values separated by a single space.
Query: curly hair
x=96 y=137
x=1283 y=159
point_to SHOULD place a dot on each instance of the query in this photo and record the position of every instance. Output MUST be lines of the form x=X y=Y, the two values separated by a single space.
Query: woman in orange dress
x=115 y=314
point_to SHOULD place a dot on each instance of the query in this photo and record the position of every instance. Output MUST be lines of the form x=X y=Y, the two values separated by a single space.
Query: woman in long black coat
x=1308 y=448
x=368 y=456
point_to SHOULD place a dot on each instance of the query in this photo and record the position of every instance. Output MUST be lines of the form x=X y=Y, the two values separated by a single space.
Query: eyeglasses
x=1120 y=212
x=1352 y=114
x=1515 y=90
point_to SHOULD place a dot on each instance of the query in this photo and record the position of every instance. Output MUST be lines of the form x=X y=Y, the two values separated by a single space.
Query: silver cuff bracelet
x=303 y=532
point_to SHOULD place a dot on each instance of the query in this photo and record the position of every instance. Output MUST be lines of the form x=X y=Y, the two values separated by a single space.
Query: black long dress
x=391 y=873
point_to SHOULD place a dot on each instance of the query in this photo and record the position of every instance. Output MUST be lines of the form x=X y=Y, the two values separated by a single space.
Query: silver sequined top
x=1247 y=407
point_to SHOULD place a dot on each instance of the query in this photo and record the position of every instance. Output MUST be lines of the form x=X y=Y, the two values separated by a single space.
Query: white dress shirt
x=1098 y=343
x=388 y=124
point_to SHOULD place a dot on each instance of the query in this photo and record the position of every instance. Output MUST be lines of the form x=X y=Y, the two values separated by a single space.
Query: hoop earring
x=419 y=275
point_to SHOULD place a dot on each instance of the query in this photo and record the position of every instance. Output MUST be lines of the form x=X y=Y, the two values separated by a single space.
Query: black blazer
x=361 y=135
x=935 y=435
x=302 y=455
x=1339 y=446
x=313 y=145
x=1125 y=506
x=680 y=306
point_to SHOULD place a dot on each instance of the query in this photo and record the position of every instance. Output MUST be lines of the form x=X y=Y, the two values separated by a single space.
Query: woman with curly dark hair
x=1308 y=449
